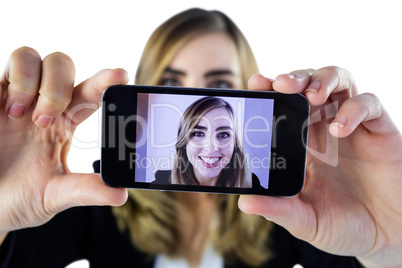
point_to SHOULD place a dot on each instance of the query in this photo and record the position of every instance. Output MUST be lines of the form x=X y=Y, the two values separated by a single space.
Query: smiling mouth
x=210 y=162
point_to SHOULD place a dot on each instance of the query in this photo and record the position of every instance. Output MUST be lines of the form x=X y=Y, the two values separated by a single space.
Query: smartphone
x=204 y=140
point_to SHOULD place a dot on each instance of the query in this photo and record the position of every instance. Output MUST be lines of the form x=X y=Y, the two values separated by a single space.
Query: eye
x=223 y=135
x=197 y=134
x=171 y=82
x=220 y=84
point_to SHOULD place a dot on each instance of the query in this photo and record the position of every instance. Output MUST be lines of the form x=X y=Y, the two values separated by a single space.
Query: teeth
x=210 y=160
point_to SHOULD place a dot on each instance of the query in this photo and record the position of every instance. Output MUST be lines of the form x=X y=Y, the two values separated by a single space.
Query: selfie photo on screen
x=204 y=140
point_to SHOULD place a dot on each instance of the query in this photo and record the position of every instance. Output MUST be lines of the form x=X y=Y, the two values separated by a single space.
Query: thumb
x=71 y=190
x=288 y=212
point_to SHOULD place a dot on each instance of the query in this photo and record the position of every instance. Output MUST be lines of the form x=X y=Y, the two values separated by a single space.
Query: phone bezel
x=291 y=144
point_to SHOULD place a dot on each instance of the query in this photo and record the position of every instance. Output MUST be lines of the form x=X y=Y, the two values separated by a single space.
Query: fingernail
x=16 y=111
x=340 y=121
x=315 y=86
x=44 y=121
x=291 y=76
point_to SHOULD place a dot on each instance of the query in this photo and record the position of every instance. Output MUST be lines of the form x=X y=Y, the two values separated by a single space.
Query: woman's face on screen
x=208 y=61
x=211 y=145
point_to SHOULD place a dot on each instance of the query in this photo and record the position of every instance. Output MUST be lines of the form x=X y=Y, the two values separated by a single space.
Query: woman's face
x=208 y=61
x=211 y=144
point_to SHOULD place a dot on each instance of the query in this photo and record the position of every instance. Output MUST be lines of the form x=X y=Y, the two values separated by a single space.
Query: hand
x=351 y=200
x=38 y=116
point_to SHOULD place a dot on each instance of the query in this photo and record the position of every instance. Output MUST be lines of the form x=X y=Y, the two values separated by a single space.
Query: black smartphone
x=204 y=140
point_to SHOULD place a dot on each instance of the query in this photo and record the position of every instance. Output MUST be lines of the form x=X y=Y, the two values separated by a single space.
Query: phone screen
x=204 y=140
x=211 y=133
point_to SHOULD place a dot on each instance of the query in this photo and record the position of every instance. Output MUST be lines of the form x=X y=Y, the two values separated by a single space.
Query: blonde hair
x=171 y=36
x=233 y=175
x=151 y=216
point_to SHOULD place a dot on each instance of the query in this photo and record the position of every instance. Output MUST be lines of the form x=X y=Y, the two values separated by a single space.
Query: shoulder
x=163 y=177
x=288 y=251
x=78 y=233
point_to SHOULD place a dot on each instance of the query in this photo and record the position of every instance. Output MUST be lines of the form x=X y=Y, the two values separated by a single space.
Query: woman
x=342 y=209
x=208 y=141
x=195 y=48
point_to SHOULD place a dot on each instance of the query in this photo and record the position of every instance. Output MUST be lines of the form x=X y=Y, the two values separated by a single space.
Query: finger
x=294 y=82
x=87 y=95
x=81 y=190
x=259 y=82
x=366 y=109
x=327 y=81
x=22 y=74
x=57 y=83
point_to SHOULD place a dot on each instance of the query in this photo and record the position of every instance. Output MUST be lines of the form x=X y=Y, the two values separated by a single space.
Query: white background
x=361 y=36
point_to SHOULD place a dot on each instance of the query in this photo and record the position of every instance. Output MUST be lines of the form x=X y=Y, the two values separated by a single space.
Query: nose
x=210 y=145
x=193 y=81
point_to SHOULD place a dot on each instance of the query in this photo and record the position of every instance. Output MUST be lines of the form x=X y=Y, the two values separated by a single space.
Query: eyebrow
x=174 y=71
x=218 y=72
x=200 y=127
x=208 y=74
x=218 y=129
x=223 y=128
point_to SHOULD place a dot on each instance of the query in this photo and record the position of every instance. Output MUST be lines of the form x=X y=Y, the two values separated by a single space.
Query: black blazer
x=164 y=177
x=91 y=233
